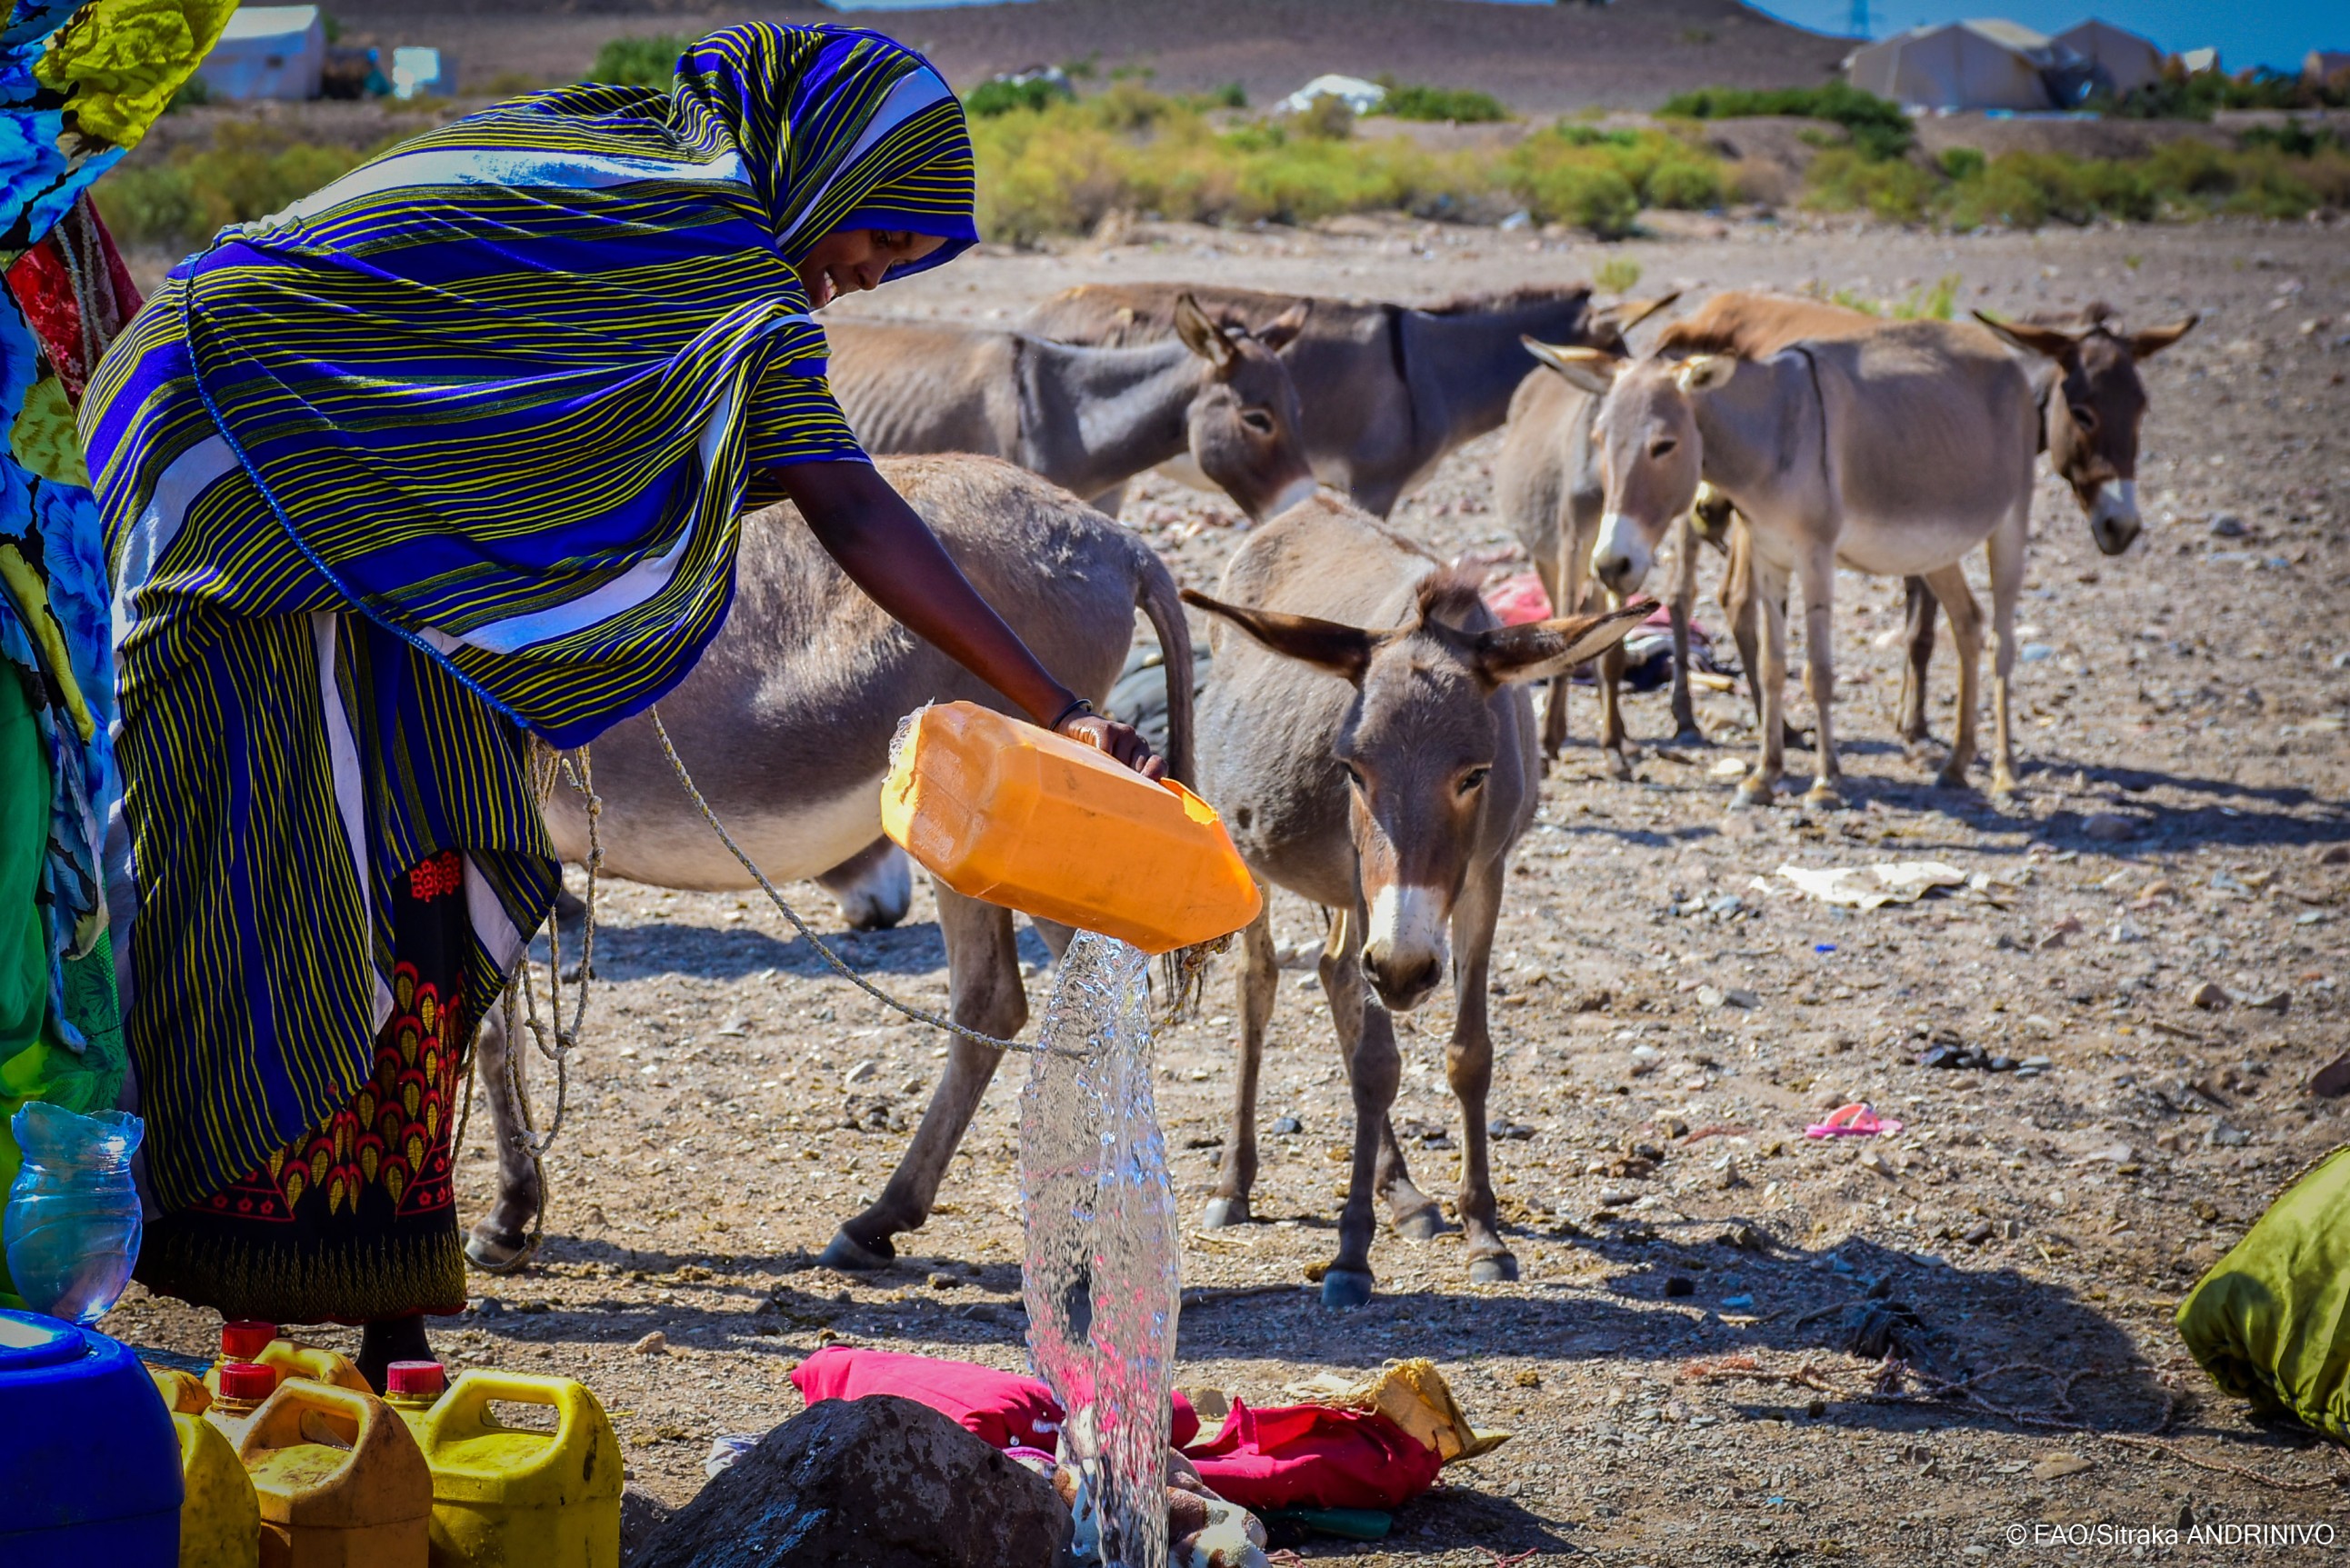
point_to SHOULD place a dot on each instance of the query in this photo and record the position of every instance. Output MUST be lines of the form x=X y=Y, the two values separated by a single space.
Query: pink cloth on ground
x=1005 y=1408
x=1518 y=600
x=1314 y=1456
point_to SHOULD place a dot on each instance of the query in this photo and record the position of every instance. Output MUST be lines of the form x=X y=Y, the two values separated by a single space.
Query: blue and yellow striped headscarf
x=455 y=445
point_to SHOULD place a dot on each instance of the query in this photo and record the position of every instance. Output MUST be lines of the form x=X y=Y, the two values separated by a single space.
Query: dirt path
x=2042 y=1229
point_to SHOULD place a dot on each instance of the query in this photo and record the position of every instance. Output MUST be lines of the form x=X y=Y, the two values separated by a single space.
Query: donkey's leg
x=874 y=886
x=1815 y=573
x=2007 y=546
x=1948 y=586
x=1260 y=983
x=1684 y=604
x=1612 y=738
x=984 y=994
x=1372 y=1070
x=1469 y=1067
x=1551 y=569
x=500 y=1239
x=1918 y=610
x=1767 y=593
x=1415 y=1216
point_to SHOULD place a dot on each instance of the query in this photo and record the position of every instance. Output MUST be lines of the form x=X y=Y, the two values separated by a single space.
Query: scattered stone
x=2223 y=1136
x=882 y=1482
x=1876 y=1329
x=1287 y=1126
x=2274 y=1001
x=2334 y=855
x=1708 y=997
x=1977 y=1233
x=1645 y=1060
x=490 y=1306
x=1679 y=1285
x=861 y=1072
x=1738 y=1303
x=2110 y=828
x=2209 y=996
x=2055 y=1467
x=654 y=1344
x=2333 y=1080
x=1726 y=1173
x=2227 y=525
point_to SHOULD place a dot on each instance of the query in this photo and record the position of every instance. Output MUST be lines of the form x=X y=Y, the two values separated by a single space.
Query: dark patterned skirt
x=357 y=1220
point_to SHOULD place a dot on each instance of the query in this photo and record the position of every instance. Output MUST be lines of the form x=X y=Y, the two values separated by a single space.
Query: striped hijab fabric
x=451 y=451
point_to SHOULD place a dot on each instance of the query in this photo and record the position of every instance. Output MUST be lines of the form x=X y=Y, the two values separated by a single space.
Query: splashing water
x=1100 y=1271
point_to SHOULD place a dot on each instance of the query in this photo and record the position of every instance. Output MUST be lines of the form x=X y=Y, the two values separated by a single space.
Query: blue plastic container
x=89 y=1462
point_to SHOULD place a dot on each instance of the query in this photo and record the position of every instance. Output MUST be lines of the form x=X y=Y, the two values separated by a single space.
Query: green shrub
x=649 y=60
x=1415 y=100
x=1683 y=182
x=1879 y=129
x=1961 y=163
x=1842 y=179
x=1940 y=303
x=248 y=172
x=1616 y=274
x=1001 y=97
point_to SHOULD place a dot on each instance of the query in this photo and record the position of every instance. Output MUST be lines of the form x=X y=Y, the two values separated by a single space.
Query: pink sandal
x=1854 y=1120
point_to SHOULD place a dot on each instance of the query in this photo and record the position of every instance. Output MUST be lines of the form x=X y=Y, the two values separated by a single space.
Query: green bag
x=2268 y=1322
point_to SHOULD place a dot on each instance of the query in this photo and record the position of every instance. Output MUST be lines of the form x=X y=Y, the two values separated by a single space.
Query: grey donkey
x=1366 y=734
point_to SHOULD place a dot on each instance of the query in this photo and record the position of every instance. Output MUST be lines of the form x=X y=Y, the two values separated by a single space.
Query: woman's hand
x=1124 y=742
x=890 y=552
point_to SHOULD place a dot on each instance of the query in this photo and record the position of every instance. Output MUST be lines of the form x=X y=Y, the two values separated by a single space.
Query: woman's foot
x=395 y=1339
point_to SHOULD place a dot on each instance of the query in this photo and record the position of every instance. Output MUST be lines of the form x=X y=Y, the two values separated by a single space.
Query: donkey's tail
x=1155 y=598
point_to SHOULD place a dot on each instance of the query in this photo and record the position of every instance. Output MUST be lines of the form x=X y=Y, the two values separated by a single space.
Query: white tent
x=2128 y=61
x=1960 y=65
x=418 y=72
x=268 y=51
x=1362 y=96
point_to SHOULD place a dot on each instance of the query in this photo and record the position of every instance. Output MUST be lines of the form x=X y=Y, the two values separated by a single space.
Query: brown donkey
x=1366 y=734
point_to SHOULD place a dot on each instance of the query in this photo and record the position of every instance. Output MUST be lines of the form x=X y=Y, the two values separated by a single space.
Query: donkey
x=1087 y=419
x=1894 y=451
x=787 y=724
x=2092 y=403
x=1390 y=388
x=1385 y=774
x=1547 y=488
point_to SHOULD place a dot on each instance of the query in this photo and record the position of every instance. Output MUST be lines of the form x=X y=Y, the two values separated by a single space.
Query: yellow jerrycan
x=340 y=1480
x=511 y=1497
x=220 y=1516
x=1005 y=811
x=260 y=1344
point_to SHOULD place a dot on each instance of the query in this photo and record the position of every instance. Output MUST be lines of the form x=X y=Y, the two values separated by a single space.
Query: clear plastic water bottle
x=72 y=1227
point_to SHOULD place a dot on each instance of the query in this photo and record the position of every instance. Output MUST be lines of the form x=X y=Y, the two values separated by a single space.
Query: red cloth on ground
x=1312 y=1456
x=1002 y=1408
x=1519 y=600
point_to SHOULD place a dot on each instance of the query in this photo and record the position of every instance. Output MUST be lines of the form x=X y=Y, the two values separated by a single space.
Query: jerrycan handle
x=463 y=1411
x=279 y=1424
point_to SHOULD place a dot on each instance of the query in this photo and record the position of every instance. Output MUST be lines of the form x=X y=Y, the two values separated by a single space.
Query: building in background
x=2126 y=61
x=1981 y=64
x=268 y=51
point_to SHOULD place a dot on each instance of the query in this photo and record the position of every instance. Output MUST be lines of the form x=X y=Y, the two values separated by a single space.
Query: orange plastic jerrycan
x=1005 y=811
x=260 y=1344
x=522 y=1496
x=340 y=1482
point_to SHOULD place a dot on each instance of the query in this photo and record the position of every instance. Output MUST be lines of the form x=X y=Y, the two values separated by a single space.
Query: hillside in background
x=1538 y=60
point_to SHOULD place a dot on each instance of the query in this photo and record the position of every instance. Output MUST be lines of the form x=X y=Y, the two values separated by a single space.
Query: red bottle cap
x=244 y=1339
x=244 y=1380
x=414 y=1380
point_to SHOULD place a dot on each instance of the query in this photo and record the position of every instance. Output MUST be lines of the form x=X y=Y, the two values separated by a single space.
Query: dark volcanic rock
x=877 y=1482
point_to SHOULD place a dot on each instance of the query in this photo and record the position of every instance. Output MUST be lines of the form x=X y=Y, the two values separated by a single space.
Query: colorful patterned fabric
x=356 y=1219
x=79 y=83
x=450 y=451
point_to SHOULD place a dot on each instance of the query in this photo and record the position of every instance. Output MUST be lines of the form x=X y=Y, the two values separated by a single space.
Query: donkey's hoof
x=853 y=1256
x=1222 y=1211
x=1824 y=796
x=1691 y=735
x=1952 y=777
x=1347 y=1288
x=496 y=1251
x=1493 y=1268
x=1619 y=766
x=1425 y=1223
x=1751 y=790
x=2003 y=788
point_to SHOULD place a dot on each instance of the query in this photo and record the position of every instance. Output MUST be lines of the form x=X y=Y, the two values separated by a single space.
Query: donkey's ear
x=1625 y=314
x=2145 y=345
x=1548 y=648
x=1282 y=331
x=1342 y=651
x=1199 y=335
x=2042 y=340
x=1592 y=370
x=1705 y=372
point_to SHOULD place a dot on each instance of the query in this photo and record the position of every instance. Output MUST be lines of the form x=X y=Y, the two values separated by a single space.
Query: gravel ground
x=1675 y=1361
